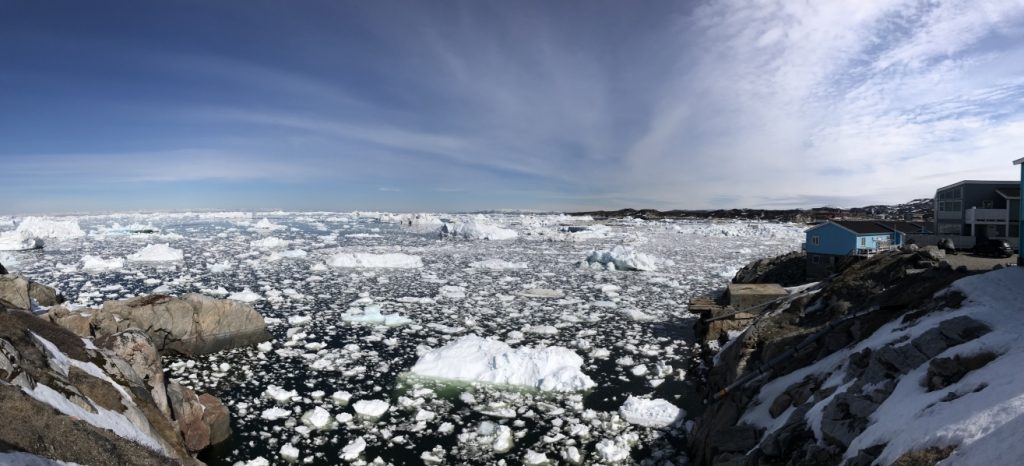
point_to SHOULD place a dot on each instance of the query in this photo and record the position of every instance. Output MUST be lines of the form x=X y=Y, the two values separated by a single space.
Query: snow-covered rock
x=475 y=359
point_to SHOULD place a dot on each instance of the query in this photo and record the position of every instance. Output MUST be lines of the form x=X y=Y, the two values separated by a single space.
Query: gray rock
x=194 y=324
x=932 y=253
x=736 y=439
x=845 y=418
x=138 y=350
x=18 y=292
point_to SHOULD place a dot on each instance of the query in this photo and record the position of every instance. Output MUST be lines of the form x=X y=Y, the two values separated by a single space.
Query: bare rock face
x=138 y=350
x=194 y=324
x=17 y=292
x=64 y=400
x=203 y=420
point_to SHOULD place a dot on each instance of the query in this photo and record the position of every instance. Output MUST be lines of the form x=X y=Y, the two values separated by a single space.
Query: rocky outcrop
x=18 y=292
x=3 y=271
x=190 y=325
x=136 y=348
x=66 y=400
x=786 y=270
x=844 y=310
x=203 y=419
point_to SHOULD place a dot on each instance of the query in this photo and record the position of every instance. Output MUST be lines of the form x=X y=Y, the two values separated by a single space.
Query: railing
x=975 y=215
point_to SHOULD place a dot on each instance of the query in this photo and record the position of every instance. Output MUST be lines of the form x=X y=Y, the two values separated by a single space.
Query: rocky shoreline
x=765 y=375
x=87 y=386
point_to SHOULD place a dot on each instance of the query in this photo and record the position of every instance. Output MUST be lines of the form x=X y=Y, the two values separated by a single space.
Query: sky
x=459 y=106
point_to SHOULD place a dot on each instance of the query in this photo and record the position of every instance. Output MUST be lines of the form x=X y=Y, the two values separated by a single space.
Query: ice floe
x=650 y=412
x=476 y=359
x=157 y=253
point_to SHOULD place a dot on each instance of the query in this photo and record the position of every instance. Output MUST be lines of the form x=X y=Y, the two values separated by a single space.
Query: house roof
x=863 y=227
x=904 y=227
x=978 y=182
x=1018 y=161
x=1009 y=193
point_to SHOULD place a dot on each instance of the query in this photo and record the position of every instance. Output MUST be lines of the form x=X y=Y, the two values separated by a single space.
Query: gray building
x=979 y=209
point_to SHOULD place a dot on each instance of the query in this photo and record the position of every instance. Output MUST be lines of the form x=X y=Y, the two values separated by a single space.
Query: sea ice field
x=424 y=339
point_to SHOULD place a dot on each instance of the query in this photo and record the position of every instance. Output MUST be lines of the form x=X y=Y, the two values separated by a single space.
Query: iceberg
x=44 y=227
x=367 y=260
x=476 y=230
x=622 y=258
x=157 y=253
x=475 y=359
x=655 y=413
x=18 y=241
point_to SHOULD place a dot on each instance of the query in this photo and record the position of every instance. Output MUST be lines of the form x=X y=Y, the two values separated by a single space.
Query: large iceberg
x=622 y=258
x=157 y=253
x=475 y=359
x=44 y=227
x=473 y=229
x=17 y=241
x=367 y=260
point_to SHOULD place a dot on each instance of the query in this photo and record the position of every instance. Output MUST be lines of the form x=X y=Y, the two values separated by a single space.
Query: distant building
x=979 y=209
x=831 y=242
x=1020 y=215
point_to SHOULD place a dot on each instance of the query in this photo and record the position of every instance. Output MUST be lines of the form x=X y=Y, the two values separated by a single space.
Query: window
x=816 y=240
x=986 y=204
x=863 y=241
x=949 y=206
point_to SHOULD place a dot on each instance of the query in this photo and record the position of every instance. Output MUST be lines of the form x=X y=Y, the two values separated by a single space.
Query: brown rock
x=217 y=416
x=194 y=324
x=188 y=413
x=18 y=292
x=136 y=348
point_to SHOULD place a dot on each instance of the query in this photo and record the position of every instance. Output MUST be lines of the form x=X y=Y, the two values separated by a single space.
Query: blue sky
x=445 y=106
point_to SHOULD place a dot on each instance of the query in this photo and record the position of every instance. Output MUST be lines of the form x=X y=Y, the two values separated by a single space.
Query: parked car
x=993 y=247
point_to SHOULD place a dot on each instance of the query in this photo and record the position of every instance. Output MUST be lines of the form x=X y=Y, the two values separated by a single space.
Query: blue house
x=1020 y=230
x=827 y=243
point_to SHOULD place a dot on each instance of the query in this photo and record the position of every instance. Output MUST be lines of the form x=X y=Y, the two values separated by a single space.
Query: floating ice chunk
x=452 y=292
x=533 y=458
x=472 y=358
x=267 y=225
x=371 y=408
x=279 y=394
x=289 y=254
x=415 y=300
x=157 y=253
x=299 y=320
x=354 y=448
x=45 y=227
x=17 y=241
x=497 y=264
x=220 y=267
x=265 y=347
x=246 y=296
x=372 y=315
x=611 y=452
x=650 y=412
x=424 y=415
x=572 y=455
x=622 y=258
x=541 y=329
x=542 y=293
x=503 y=440
x=473 y=229
x=318 y=418
x=341 y=397
x=638 y=315
x=275 y=413
x=270 y=242
x=258 y=461
x=99 y=264
x=639 y=370
x=367 y=260
x=289 y=453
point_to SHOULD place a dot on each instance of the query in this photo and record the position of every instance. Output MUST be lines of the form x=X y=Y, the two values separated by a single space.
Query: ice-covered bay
x=331 y=332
